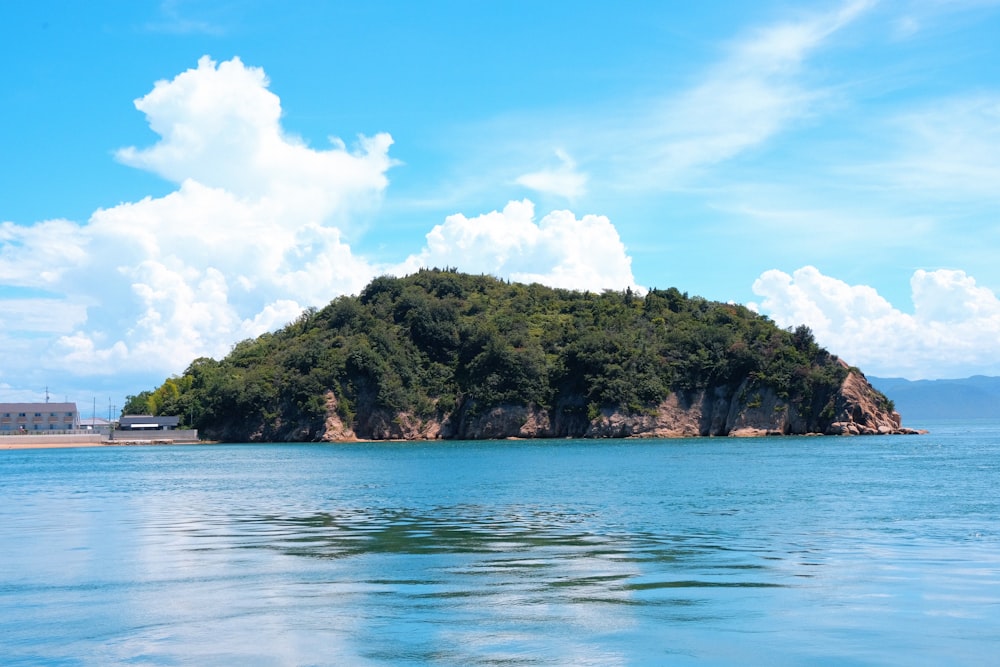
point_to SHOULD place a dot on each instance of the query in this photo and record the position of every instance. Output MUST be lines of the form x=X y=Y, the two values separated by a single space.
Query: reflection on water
x=542 y=550
x=524 y=586
x=674 y=552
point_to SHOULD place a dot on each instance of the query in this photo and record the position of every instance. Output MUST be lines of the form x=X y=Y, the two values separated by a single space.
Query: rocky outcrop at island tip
x=860 y=410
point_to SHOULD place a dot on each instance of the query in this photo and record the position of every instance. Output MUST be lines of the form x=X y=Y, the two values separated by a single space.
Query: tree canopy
x=438 y=342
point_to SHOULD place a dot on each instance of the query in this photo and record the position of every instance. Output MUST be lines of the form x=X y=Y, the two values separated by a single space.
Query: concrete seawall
x=56 y=440
x=61 y=437
x=47 y=440
x=178 y=436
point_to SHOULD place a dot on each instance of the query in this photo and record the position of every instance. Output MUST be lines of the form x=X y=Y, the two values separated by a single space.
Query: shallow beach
x=47 y=444
x=52 y=441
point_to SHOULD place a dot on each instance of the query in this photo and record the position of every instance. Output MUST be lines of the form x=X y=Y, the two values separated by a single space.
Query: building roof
x=37 y=407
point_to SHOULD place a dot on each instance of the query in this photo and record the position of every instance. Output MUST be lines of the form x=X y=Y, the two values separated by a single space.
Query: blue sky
x=179 y=176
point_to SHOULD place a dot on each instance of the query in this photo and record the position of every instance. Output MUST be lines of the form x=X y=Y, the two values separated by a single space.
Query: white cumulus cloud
x=250 y=237
x=252 y=234
x=954 y=330
x=219 y=125
x=559 y=250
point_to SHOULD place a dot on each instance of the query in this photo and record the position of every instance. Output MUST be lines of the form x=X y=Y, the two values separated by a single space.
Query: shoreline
x=45 y=443
x=48 y=445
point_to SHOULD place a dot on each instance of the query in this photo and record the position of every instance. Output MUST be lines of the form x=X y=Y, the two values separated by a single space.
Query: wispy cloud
x=758 y=90
x=916 y=17
x=174 y=18
x=950 y=149
x=563 y=180
x=40 y=315
x=29 y=257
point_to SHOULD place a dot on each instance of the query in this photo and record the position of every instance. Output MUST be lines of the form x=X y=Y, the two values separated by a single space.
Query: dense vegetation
x=440 y=343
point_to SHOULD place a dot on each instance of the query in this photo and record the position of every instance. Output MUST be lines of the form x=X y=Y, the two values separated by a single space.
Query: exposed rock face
x=857 y=410
x=377 y=425
x=383 y=425
x=335 y=428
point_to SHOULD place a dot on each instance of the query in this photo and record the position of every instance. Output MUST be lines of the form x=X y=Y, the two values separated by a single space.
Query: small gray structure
x=94 y=424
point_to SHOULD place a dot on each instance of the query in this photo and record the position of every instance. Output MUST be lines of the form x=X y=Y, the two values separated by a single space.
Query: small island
x=442 y=354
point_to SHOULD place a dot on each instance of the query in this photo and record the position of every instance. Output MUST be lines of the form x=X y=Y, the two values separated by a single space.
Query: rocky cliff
x=858 y=410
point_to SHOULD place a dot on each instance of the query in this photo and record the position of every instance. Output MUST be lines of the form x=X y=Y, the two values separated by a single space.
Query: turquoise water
x=837 y=551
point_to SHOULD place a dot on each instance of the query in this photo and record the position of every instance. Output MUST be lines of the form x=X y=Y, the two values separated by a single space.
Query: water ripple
x=707 y=552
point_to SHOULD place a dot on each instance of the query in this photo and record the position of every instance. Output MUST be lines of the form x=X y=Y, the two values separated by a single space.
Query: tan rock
x=335 y=429
x=745 y=412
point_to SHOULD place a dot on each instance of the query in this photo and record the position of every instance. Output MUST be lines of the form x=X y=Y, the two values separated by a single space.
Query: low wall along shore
x=46 y=440
x=180 y=436
x=42 y=439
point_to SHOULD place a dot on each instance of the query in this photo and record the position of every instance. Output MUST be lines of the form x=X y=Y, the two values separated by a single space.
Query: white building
x=94 y=424
x=15 y=417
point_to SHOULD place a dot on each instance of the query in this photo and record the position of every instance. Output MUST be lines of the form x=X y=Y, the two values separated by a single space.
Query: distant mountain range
x=977 y=397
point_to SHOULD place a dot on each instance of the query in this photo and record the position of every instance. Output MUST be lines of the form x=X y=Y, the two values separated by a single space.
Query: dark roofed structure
x=148 y=423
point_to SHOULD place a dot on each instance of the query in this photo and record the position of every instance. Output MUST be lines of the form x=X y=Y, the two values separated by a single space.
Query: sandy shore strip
x=50 y=442
x=48 y=445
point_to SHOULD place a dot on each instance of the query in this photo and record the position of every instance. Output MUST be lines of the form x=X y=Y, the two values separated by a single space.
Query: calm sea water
x=837 y=551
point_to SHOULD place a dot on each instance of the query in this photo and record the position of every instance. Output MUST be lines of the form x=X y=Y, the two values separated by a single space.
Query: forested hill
x=445 y=354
